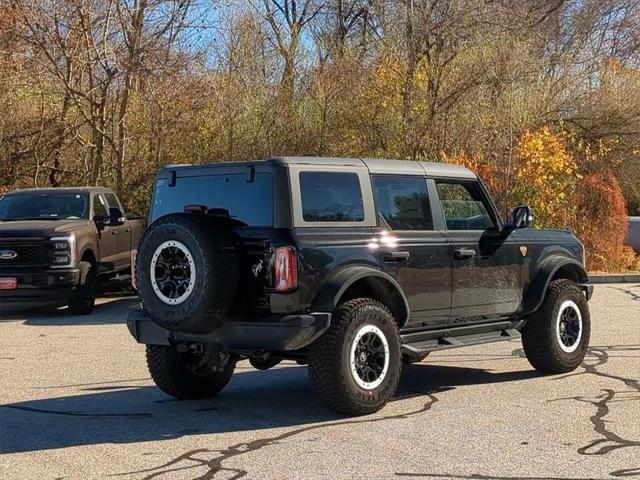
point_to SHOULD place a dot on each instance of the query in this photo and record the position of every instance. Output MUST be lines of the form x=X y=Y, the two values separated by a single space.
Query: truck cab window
x=112 y=201
x=100 y=206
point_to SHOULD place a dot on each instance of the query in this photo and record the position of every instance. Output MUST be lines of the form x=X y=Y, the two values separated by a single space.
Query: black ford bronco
x=352 y=266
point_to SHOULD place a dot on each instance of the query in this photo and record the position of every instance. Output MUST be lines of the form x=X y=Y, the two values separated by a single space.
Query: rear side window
x=248 y=202
x=403 y=202
x=331 y=197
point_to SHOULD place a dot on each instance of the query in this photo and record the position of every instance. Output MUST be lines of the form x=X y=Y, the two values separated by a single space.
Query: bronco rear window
x=331 y=197
x=249 y=202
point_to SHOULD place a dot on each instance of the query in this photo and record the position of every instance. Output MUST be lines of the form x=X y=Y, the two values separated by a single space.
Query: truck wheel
x=187 y=272
x=188 y=375
x=84 y=295
x=556 y=337
x=355 y=365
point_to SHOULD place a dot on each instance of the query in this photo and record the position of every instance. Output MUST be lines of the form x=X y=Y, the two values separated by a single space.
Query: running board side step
x=418 y=343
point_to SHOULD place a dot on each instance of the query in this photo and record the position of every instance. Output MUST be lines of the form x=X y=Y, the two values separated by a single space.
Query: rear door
x=413 y=250
x=486 y=263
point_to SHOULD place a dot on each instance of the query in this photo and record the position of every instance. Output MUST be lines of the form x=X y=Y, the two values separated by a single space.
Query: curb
x=621 y=278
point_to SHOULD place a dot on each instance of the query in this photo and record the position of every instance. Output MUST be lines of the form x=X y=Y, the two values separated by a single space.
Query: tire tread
x=326 y=366
x=538 y=335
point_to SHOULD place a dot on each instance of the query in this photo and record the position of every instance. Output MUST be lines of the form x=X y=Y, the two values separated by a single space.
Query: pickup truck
x=58 y=244
x=351 y=266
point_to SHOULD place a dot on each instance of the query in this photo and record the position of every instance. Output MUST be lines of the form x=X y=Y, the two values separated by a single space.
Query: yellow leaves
x=547 y=175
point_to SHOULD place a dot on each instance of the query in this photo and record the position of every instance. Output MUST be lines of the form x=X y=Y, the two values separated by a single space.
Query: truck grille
x=30 y=252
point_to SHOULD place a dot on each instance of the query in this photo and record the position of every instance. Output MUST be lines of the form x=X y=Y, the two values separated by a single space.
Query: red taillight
x=285 y=268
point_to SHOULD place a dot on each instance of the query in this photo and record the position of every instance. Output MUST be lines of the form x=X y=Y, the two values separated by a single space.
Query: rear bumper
x=42 y=287
x=273 y=334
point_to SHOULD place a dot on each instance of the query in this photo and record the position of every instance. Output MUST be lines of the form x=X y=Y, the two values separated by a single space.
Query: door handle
x=396 y=256
x=114 y=232
x=463 y=253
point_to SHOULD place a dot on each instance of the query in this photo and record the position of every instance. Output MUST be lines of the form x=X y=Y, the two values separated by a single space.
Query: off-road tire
x=170 y=372
x=329 y=359
x=83 y=298
x=539 y=339
x=212 y=247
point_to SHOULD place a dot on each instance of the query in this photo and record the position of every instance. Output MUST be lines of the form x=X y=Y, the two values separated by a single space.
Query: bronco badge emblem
x=523 y=250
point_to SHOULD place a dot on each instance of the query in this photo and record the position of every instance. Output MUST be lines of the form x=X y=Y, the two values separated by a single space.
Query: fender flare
x=337 y=284
x=547 y=269
x=88 y=247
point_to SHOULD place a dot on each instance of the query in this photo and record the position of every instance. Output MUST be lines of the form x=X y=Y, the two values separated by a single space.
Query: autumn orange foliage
x=546 y=176
x=602 y=223
x=488 y=171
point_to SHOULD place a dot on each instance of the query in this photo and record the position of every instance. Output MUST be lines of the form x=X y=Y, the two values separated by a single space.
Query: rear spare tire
x=187 y=272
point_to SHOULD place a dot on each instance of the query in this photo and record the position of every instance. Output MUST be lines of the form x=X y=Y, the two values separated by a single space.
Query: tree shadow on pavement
x=129 y=413
x=109 y=312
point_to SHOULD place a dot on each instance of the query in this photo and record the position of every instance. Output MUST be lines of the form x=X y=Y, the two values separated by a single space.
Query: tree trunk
x=133 y=60
x=54 y=178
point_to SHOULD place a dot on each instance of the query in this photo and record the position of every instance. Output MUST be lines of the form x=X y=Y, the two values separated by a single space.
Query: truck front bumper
x=272 y=334
x=39 y=287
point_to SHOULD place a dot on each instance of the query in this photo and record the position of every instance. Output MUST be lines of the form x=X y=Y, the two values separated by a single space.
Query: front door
x=411 y=249
x=486 y=263
x=122 y=234
x=107 y=241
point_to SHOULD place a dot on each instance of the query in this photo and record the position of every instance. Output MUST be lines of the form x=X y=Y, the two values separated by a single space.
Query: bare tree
x=288 y=19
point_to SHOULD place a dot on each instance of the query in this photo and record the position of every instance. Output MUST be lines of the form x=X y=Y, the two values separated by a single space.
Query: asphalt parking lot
x=76 y=402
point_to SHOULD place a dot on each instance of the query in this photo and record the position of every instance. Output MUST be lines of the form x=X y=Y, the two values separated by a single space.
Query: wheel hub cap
x=569 y=326
x=369 y=359
x=172 y=272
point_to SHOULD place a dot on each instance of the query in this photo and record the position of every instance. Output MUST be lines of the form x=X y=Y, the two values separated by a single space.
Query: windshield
x=43 y=206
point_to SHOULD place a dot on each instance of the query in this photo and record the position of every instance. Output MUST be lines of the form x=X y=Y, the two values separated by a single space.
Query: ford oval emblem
x=8 y=254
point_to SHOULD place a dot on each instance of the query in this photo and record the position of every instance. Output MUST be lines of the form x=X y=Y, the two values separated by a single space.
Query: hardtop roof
x=374 y=165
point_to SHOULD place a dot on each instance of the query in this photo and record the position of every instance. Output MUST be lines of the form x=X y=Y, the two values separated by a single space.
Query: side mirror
x=522 y=217
x=101 y=221
x=116 y=217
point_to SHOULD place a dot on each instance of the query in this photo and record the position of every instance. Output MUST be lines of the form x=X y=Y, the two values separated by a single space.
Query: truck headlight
x=64 y=251
x=61 y=259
